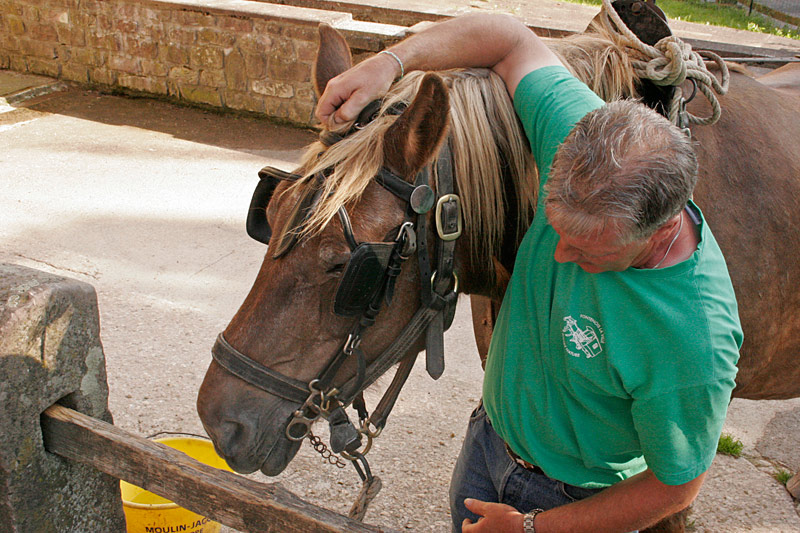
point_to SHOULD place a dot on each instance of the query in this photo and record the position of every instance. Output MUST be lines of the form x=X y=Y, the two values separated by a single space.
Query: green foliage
x=729 y=445
x=722 y=13
x=782 y=476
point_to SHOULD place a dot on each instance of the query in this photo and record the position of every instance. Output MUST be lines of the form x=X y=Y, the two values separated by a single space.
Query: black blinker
x=257 y=224
x=363 y=277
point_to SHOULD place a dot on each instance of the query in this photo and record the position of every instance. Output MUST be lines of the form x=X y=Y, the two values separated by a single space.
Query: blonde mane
x=600 y=60
x=486 y=145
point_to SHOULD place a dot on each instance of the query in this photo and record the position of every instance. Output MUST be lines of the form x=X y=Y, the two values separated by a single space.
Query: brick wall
x=238 y=54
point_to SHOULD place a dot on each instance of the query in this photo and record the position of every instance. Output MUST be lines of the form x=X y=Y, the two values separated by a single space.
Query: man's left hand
x=494 y=518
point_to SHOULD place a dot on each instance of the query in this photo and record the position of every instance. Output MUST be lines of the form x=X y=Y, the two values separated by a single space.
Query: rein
x=367 y=281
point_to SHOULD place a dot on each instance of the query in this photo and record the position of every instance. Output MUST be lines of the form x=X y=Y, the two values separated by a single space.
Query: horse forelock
x=487 y=148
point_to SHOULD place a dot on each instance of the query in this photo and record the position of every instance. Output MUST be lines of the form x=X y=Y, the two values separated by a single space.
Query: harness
x=368 y=280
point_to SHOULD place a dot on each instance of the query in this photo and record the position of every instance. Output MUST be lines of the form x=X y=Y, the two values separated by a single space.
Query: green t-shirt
x=596 y=377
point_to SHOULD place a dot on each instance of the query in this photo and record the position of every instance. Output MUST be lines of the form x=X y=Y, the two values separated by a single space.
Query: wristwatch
x=527 y=523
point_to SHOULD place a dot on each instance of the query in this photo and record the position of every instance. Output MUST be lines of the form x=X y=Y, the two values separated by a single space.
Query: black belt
x=523 y=463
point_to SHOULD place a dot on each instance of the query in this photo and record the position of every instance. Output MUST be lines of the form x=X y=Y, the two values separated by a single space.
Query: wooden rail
x=230 y=499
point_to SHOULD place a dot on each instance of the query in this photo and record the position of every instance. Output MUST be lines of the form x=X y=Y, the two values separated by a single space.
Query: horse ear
x=333 y=57
x=415 y=137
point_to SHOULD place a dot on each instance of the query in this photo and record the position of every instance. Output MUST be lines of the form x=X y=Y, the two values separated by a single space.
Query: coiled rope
x=669 y=63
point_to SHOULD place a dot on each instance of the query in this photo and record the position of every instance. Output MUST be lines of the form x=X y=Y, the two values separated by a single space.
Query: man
x=613 y=357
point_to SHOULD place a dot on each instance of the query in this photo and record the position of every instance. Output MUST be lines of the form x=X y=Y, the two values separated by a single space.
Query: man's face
x=600 y=252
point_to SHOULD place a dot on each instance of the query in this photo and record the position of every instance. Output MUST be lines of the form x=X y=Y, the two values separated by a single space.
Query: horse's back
x=749 y=191
x=785 y=79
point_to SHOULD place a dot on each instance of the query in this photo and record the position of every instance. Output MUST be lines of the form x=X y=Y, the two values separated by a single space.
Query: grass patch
x=782 y=476
x=727 y=14
x=729 y=446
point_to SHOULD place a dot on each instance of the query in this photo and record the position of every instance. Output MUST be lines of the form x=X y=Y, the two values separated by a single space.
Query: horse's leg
x=484 y=313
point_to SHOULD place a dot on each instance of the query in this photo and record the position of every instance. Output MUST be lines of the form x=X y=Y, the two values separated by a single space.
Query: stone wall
x=238 y=54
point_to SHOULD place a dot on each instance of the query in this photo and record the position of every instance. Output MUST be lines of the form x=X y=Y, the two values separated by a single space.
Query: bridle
x=366 y=282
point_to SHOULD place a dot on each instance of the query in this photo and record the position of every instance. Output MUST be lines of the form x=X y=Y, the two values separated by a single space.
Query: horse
x=364 y=192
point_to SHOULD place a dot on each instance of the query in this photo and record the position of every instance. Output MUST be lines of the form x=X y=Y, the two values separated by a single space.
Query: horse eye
x=336 y=269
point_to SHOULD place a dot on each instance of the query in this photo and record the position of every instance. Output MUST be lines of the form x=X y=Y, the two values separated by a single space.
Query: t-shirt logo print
x=586 y=338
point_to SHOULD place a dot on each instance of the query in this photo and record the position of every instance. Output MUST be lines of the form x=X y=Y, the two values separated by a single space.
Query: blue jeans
x=485 y=471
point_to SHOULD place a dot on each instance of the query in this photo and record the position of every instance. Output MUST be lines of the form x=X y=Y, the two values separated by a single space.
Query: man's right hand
x=350 y=92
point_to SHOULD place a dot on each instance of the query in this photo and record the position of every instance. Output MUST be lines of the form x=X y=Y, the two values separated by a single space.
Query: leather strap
x=257 y=374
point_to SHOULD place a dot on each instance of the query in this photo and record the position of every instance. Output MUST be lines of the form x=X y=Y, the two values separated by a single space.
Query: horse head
x=337 y=284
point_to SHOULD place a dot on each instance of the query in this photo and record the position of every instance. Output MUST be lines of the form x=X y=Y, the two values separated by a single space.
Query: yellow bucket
x=146 y=512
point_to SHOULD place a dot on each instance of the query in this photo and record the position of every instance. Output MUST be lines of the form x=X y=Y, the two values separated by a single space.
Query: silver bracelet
x=527 y=522
x=402 y=68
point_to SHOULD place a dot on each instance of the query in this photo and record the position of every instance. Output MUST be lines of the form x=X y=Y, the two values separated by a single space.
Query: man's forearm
x=498 y=42
x=479 y=40
x=633 y=504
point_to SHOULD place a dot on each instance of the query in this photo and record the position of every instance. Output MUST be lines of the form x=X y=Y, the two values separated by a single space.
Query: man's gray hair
x=622 y=164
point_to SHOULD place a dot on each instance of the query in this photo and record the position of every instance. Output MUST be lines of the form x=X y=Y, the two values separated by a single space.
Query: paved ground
x=146 y=201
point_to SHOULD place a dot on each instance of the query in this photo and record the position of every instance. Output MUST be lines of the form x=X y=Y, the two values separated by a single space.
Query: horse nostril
x=229 y=437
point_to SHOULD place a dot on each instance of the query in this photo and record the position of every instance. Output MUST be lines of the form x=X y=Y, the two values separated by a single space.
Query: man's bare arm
x=633 y=504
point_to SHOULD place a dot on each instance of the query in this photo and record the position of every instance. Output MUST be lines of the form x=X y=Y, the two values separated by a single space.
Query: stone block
x=143 y=84
x=235 y=24
x=206 y=57
x=42 y=32
x=288 y=70
x=17 y=62
x=174 y=54
x=273 y=88
x=31 y=13
x=38 y=49
x=102 y=42
x=15 y=25
x=243 y=101
x=212 y=78
x=235 y=73
x=71 y=35
x=102 y=76
x=184 y=75
x=75 y=72
x=50 y=351
x=154 y=68
x=256 y=43
x=129 y=65
x=215 y=37
x=181 y=36
x=88 y=56
x=202 y=95
x=255 y=65
x=134 y=46
x=45 y=67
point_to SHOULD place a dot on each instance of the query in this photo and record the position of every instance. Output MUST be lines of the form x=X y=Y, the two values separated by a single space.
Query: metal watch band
x=527 y=523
